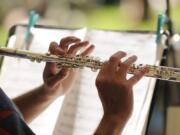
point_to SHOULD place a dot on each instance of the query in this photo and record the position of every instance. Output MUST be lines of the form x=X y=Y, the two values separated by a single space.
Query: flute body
x=158 y=72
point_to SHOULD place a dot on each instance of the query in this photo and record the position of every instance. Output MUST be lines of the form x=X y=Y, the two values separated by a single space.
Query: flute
x=158 y=72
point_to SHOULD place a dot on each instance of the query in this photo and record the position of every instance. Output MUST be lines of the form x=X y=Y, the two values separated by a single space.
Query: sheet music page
x=20 y=75
x=82 y=111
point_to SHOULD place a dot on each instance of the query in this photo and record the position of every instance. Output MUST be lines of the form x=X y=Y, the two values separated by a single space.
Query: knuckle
x=121 y=52
x=81 y=44
x=124 y=65
x=71 y=49
x=52 y=48
x=53 y=43
x=63 y=39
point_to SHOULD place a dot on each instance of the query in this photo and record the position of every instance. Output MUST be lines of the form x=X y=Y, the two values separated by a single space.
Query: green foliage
x=176 y=17
x=3 y=36
x=112 y=17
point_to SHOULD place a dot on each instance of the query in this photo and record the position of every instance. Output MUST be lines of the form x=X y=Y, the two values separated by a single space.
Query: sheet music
x=82 y=110
x=19 y=75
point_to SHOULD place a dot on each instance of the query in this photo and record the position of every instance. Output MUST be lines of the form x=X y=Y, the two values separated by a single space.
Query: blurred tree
x=137 y=9
x=39 y=6
x=4 y=8
x=146 y=12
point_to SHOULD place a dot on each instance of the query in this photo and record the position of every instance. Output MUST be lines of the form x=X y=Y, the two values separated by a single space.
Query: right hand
x=115 y=90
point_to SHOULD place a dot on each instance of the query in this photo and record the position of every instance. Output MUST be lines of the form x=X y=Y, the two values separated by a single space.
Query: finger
x=87 y=51
x=75 y=48
x=133 y=80
x=104 y=70
x=130 y=60
x=50 y=68
x=65 y=42
x=115 y=59
x=123 y=67
x=111 y=66
x=52 y=81
x=55 y=49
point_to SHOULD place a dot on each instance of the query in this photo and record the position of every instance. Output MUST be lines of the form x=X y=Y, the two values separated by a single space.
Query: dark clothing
x=11 y=121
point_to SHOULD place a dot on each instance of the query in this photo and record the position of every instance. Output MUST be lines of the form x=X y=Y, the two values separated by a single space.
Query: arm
x=57 y=82
x=115 y=92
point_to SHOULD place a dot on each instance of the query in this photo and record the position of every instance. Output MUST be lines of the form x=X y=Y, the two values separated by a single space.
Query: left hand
x=59 y=81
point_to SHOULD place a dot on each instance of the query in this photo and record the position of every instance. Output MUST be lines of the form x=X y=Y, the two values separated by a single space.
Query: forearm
x=110 y=126
x=33 y=103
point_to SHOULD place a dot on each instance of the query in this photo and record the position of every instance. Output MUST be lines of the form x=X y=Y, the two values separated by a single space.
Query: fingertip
x=52 y=47
x=66 y=41
x=92 y=46
x=75 y=38
x=55 y=49
x=85 y=42
x=122 y=53
x=88 y=50
x=53 y=44
x=134 y=57
x=59 y=51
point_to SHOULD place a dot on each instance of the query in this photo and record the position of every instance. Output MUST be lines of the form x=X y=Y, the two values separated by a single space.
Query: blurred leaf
x=3 y=36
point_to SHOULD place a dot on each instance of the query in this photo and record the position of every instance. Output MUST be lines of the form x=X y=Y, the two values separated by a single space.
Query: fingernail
x=92 y=46
x=134 y=57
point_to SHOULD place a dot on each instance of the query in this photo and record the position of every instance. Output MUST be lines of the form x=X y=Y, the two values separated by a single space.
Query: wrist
x=49 y=93
x=116 y=121
x=110 y=125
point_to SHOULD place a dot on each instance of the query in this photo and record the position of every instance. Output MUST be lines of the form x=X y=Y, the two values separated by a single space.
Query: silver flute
x=158 y=72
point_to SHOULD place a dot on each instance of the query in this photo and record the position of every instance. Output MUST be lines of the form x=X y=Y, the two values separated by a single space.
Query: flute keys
x=38 y=60
x=65 y=65
x=94 y=69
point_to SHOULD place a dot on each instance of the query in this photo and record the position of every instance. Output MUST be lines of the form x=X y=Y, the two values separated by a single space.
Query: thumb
x=56 y=79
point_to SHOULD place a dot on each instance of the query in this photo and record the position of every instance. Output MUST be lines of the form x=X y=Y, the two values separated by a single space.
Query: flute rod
x=158 y=72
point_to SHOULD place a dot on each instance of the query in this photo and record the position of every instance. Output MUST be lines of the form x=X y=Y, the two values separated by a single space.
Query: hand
x=59 y=81
x=115 y=90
